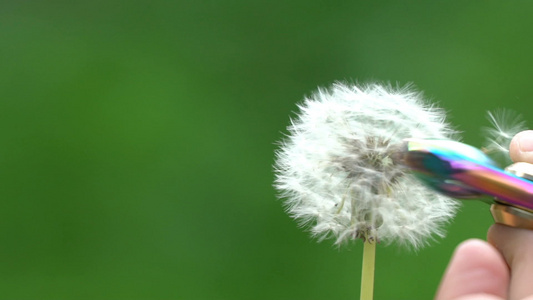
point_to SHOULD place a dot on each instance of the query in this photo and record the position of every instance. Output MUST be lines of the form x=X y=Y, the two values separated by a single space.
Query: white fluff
x=505 y=124
x=337 y=173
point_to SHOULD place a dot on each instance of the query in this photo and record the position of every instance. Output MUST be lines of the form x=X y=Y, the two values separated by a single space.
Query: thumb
x=521 y=147
x=515 y=244
x=476 y=271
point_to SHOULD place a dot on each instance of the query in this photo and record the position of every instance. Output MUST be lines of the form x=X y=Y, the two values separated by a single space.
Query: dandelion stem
x=367 y=276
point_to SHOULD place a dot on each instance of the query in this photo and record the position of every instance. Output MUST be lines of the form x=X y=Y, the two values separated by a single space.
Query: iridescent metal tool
x=462 y=171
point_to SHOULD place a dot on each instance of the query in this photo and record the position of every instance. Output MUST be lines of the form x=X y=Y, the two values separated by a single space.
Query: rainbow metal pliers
x=462 y=171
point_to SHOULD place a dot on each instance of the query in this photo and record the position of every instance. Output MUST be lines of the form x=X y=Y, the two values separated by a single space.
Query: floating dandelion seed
x=505 y=125
x=338 y=168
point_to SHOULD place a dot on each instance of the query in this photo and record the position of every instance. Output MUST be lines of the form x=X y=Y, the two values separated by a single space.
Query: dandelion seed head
x=338 y=171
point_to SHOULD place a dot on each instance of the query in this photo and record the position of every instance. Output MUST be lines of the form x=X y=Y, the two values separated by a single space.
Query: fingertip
x=521 y=147
x=515 y=244
x=514 y=151
x=475 y=268
x=480 y=297
x=510 y=241
x=475 y=253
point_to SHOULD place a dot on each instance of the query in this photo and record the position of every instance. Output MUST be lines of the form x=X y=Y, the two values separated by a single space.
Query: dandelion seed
x=505 y=125
x=338 y=171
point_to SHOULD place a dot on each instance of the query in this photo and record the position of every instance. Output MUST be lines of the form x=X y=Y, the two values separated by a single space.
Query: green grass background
x=137 y=138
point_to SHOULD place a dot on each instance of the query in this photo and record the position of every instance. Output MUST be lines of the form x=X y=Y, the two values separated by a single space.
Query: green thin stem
x=367 y=276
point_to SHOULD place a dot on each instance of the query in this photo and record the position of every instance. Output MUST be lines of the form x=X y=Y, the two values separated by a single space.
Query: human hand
x=501 y=268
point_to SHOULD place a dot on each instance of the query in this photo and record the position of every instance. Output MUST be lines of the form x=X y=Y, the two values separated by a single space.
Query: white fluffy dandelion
x=337 y=168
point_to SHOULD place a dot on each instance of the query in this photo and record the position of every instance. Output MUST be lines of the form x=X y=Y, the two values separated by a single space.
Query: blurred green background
x=138 y=138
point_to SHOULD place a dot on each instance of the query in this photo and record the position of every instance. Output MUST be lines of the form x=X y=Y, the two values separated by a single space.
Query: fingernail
x=525 y=141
